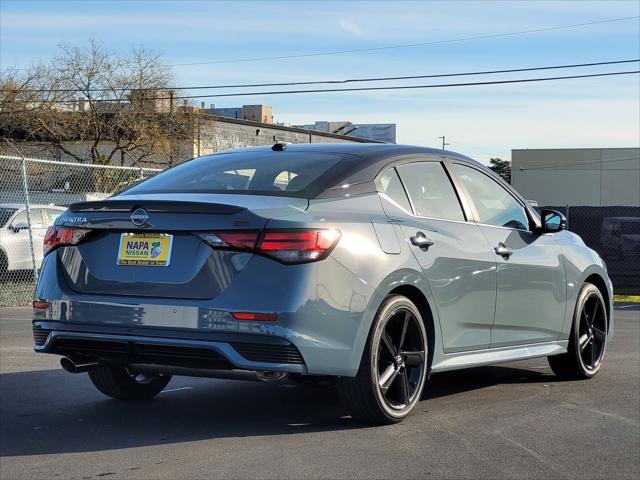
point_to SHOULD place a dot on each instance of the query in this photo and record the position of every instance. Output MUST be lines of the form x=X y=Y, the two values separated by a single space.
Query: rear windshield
x=270 y=173
x=5 y=215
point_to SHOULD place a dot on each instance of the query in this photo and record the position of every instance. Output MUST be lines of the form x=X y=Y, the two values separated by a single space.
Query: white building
x=381 y=132
x=578 y=176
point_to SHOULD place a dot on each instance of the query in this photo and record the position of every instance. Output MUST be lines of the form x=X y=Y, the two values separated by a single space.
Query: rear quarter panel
x=363 y=251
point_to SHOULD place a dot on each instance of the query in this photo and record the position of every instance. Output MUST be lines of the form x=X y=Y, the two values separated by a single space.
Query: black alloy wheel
x=394 y=366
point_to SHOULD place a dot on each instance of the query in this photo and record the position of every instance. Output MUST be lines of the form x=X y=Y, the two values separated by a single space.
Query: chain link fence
x=33 y=192
x=613 y=232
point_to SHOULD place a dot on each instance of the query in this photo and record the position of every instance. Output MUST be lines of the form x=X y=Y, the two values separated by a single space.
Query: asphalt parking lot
x=509 y=421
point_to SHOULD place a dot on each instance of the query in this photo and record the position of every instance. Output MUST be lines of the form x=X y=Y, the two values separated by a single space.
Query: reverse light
x=63 y=236
x=286 y=246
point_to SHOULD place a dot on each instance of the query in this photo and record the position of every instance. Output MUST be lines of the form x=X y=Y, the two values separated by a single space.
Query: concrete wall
x=580 y=176
x=83 y=150
x=216 y=134
x=212 y=135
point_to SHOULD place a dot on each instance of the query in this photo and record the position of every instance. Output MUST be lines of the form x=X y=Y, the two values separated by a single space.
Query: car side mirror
x=553 y=221
x=19 y=226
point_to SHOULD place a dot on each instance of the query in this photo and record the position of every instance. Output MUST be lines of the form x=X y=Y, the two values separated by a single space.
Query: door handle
x=421 y=240
x=502 y=250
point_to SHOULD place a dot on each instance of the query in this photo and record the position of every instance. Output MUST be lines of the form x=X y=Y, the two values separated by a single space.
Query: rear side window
x=392 y=187
x=263 y=172
x=22 y=218
x=431 y=191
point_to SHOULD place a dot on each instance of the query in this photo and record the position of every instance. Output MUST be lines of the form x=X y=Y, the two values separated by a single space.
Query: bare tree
x=94 y=104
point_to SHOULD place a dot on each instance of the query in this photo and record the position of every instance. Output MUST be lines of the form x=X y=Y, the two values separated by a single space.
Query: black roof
x=368 y=149
x=373 y=157
x=354 y=172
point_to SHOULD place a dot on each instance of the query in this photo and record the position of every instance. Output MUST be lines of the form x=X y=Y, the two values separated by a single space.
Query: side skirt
x=477 y=358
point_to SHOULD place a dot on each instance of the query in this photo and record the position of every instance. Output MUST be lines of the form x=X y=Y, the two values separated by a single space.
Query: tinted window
x=430 y=190
x=392 y=187
x=36 y=218
x=51 y=216
x=20 y=218
x=5 y=214
x=266 y=172
x=495 y=205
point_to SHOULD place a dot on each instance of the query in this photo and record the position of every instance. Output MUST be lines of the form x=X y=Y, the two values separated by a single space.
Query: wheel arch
x=411 y=283
x=601 y=285
x=420 y=301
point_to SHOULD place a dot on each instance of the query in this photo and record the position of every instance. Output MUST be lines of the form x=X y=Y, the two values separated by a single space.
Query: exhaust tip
x=271 y=377
x=73 y=367
x=68 y=365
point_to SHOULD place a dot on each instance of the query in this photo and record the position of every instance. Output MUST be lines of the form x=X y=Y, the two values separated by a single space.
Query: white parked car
x=15 y=248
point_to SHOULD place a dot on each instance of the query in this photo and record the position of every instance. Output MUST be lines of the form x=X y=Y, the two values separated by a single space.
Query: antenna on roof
x=279 y=146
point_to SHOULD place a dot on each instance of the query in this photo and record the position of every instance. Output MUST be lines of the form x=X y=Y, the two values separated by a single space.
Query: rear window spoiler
x=159 y=206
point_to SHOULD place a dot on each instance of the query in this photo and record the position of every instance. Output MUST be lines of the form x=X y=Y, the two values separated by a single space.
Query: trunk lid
x=194 y=270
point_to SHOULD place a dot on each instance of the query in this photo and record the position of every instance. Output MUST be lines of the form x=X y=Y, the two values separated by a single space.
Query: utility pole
x=444 y=144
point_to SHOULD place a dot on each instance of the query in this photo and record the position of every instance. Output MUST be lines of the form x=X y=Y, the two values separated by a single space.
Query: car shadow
x=51 y=411
x=460 y=381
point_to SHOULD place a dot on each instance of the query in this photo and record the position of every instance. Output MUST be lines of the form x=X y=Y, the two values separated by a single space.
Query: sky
x=480 y=121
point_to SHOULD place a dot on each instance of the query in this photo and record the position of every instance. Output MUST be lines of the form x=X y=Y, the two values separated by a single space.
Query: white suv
x=15 y=248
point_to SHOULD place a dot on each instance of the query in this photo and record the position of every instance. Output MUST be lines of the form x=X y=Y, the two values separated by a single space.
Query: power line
x=350 y=80
x=406 y=45
x=362 y=89
x=396 y=87
x=390 y=47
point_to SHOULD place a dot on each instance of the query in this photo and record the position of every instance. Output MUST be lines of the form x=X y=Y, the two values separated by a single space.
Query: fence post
x=27 y=204
x=137 y=164
x=25 y=186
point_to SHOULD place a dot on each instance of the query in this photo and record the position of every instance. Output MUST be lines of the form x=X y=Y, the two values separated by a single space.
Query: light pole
x=444 y=144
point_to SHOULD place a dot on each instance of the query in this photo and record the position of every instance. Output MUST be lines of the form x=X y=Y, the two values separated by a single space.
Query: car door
x=39 y=225
x=531 y=295
x=453 y=255
x=17 y=242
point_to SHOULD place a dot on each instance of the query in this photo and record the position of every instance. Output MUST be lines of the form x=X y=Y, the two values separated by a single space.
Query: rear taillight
x=61 y=236
x=298 y=246
x=286 y=246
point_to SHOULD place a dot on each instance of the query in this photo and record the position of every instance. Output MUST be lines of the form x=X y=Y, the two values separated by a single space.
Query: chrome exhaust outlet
x=79 y=367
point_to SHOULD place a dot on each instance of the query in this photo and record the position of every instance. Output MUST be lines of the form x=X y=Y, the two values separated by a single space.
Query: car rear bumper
x=169 y=348
x=323 y=316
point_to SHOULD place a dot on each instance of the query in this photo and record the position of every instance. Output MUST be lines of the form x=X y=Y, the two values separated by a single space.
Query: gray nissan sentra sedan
x=365 y=266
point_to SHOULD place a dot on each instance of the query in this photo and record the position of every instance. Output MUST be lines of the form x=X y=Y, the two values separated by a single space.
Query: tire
x=393 y=369
x=120 y=383
x=587 y=340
